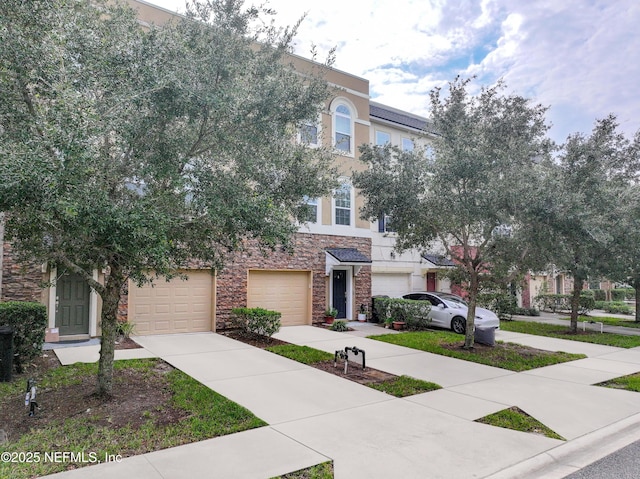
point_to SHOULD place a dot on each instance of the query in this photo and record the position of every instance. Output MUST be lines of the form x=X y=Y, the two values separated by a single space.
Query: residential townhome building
x=395 y=273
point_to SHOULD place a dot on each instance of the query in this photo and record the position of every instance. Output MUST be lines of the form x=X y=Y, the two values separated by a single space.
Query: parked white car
x=450 y=311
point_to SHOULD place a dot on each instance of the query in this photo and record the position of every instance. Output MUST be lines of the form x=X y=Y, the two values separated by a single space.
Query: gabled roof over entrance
x=438 y=261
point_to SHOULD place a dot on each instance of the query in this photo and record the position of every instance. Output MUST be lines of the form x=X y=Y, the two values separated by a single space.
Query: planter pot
x=398 y=325
x=329 y=319
x=362 y=317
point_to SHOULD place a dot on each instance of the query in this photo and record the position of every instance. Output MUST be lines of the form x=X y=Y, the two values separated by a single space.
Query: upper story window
x=309 y=133
x=382 y=138
x=312 y=210
x=342 y=202
x=343 y=126
x=407 y=144
x=385 y=225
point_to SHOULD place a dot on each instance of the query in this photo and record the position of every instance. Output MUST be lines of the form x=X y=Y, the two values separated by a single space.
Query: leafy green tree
x=467 y=197
x=624 y=253
x=581 y=194
x=136 y=150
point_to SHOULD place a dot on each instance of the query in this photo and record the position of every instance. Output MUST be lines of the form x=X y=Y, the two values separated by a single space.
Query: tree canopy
x=467 y=197
x=135 y=150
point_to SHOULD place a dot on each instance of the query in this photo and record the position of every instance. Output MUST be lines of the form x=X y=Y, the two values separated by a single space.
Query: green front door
x=72 y=305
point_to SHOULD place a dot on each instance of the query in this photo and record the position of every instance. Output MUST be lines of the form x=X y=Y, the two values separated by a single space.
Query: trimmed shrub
x=562 y=302
x=415 y=314
x=340 y=325
x=600 y=304
x=29 y=322
x=527 y=312
x=617 y=307
x=619 y=294
x=503 y=304
x=256 y=320
x=599 y=294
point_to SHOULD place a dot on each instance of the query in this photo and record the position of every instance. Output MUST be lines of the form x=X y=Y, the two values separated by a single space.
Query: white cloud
x=578 y=57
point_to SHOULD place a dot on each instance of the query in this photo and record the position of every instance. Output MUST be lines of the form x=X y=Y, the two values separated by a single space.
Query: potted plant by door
x=330 y=315
x=362 y=315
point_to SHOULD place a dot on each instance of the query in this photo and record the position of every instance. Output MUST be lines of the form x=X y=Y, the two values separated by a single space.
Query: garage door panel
x=394 y=285
x=285 y=291
x=174 y=306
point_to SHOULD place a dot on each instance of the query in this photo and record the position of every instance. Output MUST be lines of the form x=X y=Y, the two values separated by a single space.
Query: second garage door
x=288 y=292
x=176 y=306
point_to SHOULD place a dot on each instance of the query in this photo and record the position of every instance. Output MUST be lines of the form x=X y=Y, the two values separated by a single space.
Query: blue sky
x=581 y=58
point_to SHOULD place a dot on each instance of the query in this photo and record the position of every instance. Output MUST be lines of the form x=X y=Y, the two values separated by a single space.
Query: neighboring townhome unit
x=396 y=273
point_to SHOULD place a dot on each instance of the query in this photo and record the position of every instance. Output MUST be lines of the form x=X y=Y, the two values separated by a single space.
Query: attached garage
x=288 y=292
x=176 y=306
x=393 y=285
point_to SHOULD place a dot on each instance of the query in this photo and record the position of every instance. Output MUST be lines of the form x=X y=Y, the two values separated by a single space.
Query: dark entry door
x=340 y=292
x=72 y=305
x=431 y=281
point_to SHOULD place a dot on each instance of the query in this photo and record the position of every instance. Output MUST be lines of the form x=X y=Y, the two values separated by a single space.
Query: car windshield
x=452 y=298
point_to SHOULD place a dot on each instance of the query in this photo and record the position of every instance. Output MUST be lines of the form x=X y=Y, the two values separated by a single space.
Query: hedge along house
x=329 y=265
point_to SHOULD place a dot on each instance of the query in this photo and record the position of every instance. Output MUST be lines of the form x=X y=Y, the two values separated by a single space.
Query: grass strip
x=319 y=471
x=628 y=383
x=518 y=420
x=302 y=354
x=608 y=321
x=513 y=357
x=403 y=386
x=562 y=332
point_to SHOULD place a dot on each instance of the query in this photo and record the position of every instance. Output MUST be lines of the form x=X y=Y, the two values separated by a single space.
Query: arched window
x=343 y=127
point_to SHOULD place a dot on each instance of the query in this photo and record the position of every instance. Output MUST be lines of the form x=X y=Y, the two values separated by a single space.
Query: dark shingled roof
x=348 y=255
x=438 y=260
x=407 y=120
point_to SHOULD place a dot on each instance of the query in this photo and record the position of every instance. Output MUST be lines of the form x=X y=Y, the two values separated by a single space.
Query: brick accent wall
x=19 y=282
x=308 y=254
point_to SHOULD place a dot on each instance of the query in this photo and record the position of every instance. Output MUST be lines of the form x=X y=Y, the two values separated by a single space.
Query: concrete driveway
x=314 y=416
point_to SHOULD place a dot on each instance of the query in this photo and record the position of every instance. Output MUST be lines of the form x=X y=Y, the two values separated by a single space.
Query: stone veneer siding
x=20 y=282
x=308 y=254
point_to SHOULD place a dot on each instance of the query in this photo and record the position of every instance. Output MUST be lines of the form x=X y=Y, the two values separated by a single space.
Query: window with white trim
x=407 y=144
x=342 y=202
x=308 y=133
x=382 y=138
x=312 y=209
x=343 y=128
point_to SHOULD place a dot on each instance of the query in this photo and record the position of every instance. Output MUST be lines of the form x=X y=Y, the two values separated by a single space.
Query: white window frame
x=334 y=206
x=314 y=202
x=410 y=141
x=337 y=103
x=318 y=126
x=386 y=141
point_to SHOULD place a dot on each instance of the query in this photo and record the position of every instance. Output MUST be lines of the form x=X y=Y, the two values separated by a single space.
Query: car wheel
x=458 y=325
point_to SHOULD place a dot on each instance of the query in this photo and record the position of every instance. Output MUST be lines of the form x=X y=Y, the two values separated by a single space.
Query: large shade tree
x=587 y=214
x=466 y=196
x=134 y=150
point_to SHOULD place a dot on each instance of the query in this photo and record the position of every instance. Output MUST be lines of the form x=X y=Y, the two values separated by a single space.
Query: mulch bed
x=354 y=372
x=137 y=397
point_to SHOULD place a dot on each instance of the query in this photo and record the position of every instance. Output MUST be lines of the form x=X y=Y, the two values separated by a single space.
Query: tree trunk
x=575 y=304
x=471 y=313
x=636 y=286
x=109 y=317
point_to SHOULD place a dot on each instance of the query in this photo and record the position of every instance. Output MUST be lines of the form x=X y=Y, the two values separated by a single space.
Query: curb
x=572 y=456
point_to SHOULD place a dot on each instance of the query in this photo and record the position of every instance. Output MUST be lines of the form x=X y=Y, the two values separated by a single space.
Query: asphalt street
x=622 y=464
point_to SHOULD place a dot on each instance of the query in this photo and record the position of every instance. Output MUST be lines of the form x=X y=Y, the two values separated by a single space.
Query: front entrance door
x=431 y=281
x=340 y=292
x=72 y=305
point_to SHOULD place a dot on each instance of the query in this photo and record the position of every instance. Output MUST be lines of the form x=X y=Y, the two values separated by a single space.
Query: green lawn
x=516 y=419
x=509 y=356
x=320 y=471
x=608 y=321
x=204 y=414
x=562 y=332
x=404 y=386
x=630 y=383
x=302 y=354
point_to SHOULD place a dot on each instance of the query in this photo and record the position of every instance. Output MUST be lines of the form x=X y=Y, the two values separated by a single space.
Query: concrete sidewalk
x=561 y=319
x=314 y=416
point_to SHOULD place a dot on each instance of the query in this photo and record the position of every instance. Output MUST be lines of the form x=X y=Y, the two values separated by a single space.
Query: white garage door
x=288 y=292
x=394 y=285
x=177 y=306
